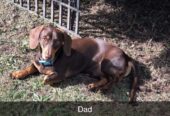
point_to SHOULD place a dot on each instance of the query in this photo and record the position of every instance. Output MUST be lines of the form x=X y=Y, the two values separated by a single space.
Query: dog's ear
x=34 y=36
x=67 y=44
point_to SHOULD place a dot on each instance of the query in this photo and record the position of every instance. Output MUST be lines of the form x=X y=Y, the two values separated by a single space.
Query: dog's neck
x=51 y=62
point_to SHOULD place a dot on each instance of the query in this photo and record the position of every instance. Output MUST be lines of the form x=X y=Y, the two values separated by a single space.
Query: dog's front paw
x=50 y=79
x=46 y=80
x=17 y=74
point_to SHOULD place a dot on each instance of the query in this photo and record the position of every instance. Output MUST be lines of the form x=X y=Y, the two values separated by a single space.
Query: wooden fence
x=64 y=13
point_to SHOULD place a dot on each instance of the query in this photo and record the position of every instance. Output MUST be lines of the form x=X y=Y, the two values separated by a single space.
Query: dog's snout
x=48 y=57
x=47 y=54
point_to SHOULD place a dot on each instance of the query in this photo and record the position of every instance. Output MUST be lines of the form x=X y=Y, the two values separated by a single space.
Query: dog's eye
x=46 y=38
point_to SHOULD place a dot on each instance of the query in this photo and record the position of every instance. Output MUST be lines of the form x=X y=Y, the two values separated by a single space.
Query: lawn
x=144 y=37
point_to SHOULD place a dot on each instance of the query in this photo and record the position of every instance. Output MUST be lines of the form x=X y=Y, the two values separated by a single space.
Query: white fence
x=64 y=13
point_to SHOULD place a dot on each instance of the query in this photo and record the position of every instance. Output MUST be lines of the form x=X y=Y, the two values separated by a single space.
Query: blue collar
x=46 y=62
x=50 y=62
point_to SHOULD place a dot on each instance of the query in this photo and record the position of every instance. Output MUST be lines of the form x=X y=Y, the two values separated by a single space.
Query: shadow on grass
x=118 y=90
x=129 y=19
x=162 y=63
x=163 y=60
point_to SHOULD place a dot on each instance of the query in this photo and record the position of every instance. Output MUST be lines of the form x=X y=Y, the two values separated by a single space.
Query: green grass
x=31 y=96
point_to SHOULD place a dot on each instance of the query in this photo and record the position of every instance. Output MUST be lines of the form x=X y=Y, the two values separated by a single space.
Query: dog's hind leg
x=134 y=83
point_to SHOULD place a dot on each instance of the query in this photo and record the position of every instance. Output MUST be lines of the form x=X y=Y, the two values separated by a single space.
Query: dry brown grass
x=139 y=28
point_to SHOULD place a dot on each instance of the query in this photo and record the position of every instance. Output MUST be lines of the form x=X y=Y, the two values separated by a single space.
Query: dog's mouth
x=50 y=60
x=45 y=59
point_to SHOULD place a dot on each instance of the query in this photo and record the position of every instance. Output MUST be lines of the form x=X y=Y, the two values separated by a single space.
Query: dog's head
x=50 y=40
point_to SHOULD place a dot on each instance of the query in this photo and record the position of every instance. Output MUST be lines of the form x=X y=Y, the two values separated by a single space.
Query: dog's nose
x=48 y=57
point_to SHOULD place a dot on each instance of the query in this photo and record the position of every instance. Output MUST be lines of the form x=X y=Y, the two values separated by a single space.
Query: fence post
x=77 y=17
x=36 y=6
x=68 y=14
x=44 y=8
x=52 y=10
x=20 y=2
x=28 y=4
x=60 y=14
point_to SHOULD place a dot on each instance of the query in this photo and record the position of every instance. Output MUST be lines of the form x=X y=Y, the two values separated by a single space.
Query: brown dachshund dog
x=70 y=57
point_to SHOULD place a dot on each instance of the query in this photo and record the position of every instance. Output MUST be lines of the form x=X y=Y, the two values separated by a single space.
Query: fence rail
x=64 y=13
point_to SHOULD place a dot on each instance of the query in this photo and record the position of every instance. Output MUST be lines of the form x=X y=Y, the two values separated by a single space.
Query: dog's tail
x=133 y=81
